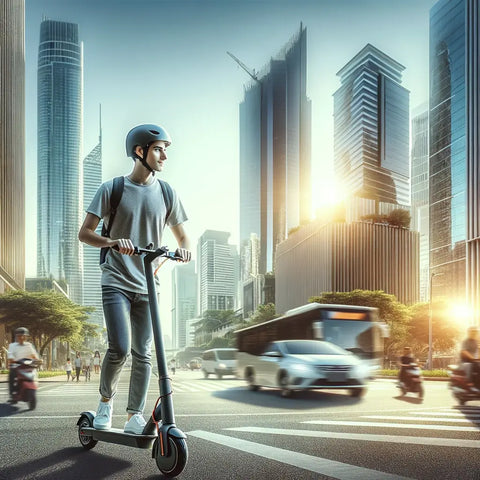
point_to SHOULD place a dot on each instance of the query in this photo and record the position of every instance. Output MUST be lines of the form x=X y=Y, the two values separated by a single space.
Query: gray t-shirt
x=141 y=217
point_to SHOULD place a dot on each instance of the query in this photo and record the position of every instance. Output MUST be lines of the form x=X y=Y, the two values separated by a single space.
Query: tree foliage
x=263 y=313
x=391 y=311
x=213 y=319
x=47 y=315
x=397 y=218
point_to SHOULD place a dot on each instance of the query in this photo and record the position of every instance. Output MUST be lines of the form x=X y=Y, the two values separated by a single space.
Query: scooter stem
x=164 y=382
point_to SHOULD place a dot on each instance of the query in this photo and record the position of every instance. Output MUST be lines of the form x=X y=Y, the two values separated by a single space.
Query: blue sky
x=165 y=62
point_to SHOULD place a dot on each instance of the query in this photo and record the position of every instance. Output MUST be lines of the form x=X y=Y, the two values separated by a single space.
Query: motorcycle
x=26 y=383
x=412 y=381
x=461 y=385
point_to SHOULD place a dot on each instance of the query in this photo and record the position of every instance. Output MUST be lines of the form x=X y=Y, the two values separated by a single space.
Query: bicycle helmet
x=144 y=136
x=22 y=331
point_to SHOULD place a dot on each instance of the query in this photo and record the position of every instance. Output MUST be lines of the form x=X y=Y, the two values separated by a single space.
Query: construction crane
x=252 y=73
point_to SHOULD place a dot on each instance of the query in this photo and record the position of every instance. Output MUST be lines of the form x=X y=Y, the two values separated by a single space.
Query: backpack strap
x=167 y=197
x=117 y=192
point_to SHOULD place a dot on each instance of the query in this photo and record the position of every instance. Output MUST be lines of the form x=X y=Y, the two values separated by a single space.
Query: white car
x=219 y=361
x=304 y=364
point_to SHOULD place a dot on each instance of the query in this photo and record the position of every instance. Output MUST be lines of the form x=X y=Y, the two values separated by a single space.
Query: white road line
x=323 y=466
x=394 y=425
x=439 y=442
x=423 y=419
x=447 y=414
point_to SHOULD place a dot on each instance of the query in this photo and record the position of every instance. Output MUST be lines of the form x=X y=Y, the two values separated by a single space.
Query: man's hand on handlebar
x=183 y=255
x=124 y=246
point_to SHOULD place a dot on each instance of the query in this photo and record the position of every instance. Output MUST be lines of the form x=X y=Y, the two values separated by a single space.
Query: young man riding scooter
x=140 y=219
x=16 y=351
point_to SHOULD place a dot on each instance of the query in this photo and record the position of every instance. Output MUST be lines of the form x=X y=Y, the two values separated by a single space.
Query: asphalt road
x=237 y=434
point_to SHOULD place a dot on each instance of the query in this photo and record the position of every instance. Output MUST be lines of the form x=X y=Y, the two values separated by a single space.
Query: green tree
x=399 y=218
x=391 y=311
x=445 y=331
x=47 y=315
x=213 y=319
x=263 y=314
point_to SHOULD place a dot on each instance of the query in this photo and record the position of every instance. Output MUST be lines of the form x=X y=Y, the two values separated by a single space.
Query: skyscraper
x=217 y=272
x=60 y=96
x=371 y=129
x=420 y=202
x=184 y=302
x=12 y=147
x=275 y=163
x=92 y=179
x=451 y=95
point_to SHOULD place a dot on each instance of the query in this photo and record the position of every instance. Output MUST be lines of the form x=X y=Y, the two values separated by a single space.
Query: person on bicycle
x=16 y=351
x=140 y=221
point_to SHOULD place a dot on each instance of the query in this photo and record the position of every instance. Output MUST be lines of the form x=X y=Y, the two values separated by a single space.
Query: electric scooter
x=26 y=383
x=167 y=441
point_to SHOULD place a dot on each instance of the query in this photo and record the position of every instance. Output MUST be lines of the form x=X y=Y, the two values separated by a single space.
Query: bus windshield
x=359 y=337
x=312 y=347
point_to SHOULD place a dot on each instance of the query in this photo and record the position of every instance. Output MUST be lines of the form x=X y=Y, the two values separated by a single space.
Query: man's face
x=473 y=333
x=21 y=337
x=157 y=155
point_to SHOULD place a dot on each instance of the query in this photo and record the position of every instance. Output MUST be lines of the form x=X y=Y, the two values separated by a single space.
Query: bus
x=357 y=329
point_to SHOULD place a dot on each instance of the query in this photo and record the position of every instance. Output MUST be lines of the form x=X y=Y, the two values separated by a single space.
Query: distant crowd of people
x=83 y=366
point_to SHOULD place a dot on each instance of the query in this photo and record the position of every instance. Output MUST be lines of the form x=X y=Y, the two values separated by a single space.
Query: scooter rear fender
x=88 y=414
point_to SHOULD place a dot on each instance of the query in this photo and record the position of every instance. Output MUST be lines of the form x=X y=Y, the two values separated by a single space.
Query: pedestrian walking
x=96 y=361
x=78 y=365
x=69 y=369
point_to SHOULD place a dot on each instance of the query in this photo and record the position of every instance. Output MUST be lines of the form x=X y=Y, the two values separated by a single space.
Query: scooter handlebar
x=160 y=252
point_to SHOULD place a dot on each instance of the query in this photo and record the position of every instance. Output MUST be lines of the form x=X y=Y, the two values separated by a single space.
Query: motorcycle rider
x=469 y=357
x=405 y=360
x=16 y=351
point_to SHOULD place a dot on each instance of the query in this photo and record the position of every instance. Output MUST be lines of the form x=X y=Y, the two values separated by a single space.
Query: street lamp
x=430 y=315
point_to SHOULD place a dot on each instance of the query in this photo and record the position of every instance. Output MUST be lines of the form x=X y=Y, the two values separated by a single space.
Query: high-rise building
x=420 y=204
x=217 y=272
x=184 y=303
x=371 y=130
x=60 y=180
x=12 y=148
x=92 y=179
x=341 y=257
x=453 y=92
x=275 y=147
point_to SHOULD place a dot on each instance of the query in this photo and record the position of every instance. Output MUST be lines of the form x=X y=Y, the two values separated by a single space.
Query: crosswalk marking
x=440 y=442
x=323 y=466
x=393 y=425
x=422 y=419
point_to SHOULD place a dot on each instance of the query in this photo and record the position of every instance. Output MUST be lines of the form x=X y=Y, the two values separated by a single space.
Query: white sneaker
x=135 y=425
x=103 y=419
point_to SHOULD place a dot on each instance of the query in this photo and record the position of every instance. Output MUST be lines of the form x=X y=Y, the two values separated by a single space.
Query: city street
x=237 y=434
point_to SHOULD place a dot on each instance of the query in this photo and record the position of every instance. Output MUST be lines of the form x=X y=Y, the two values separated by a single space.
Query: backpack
x=117 y=192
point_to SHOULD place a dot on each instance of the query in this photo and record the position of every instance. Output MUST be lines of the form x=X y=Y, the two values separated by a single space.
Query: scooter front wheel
x=32 y=399
x=172 y=464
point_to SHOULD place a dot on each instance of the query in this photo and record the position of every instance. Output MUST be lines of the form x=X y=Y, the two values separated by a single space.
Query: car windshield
x=227 y=354
x=315 y=347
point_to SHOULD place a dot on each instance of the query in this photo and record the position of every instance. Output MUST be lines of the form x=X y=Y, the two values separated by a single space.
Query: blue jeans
x=129 y=329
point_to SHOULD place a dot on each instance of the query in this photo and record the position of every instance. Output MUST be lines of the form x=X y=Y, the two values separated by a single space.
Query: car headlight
x=222 y=366
x=300 y=368
x=361 y=370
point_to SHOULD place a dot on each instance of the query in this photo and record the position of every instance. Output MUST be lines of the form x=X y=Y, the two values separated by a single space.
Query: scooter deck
x=118 y=436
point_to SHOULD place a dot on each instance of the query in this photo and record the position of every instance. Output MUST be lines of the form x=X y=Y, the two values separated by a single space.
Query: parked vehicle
x=461 y=384
x=412 y=381
x=26 y=381
x=195 y=364
x=303 y=365
x=219 y=361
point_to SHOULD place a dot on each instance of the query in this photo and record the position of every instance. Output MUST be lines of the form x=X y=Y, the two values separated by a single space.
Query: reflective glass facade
x=447 y=149
x=371 y=128
x=60 y=176
x=275 y=151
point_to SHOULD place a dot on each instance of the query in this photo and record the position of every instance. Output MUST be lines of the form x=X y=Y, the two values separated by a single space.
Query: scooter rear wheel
x=87 y=441
x=172 y=464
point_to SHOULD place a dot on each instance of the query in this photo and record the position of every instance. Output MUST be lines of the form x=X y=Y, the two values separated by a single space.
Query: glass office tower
x=92 y=291
x=371 y=128
x=59 y=92
x=447 y=149
x=275 y=151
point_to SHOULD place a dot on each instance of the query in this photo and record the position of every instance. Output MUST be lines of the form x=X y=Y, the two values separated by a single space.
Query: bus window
x=317 y=330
